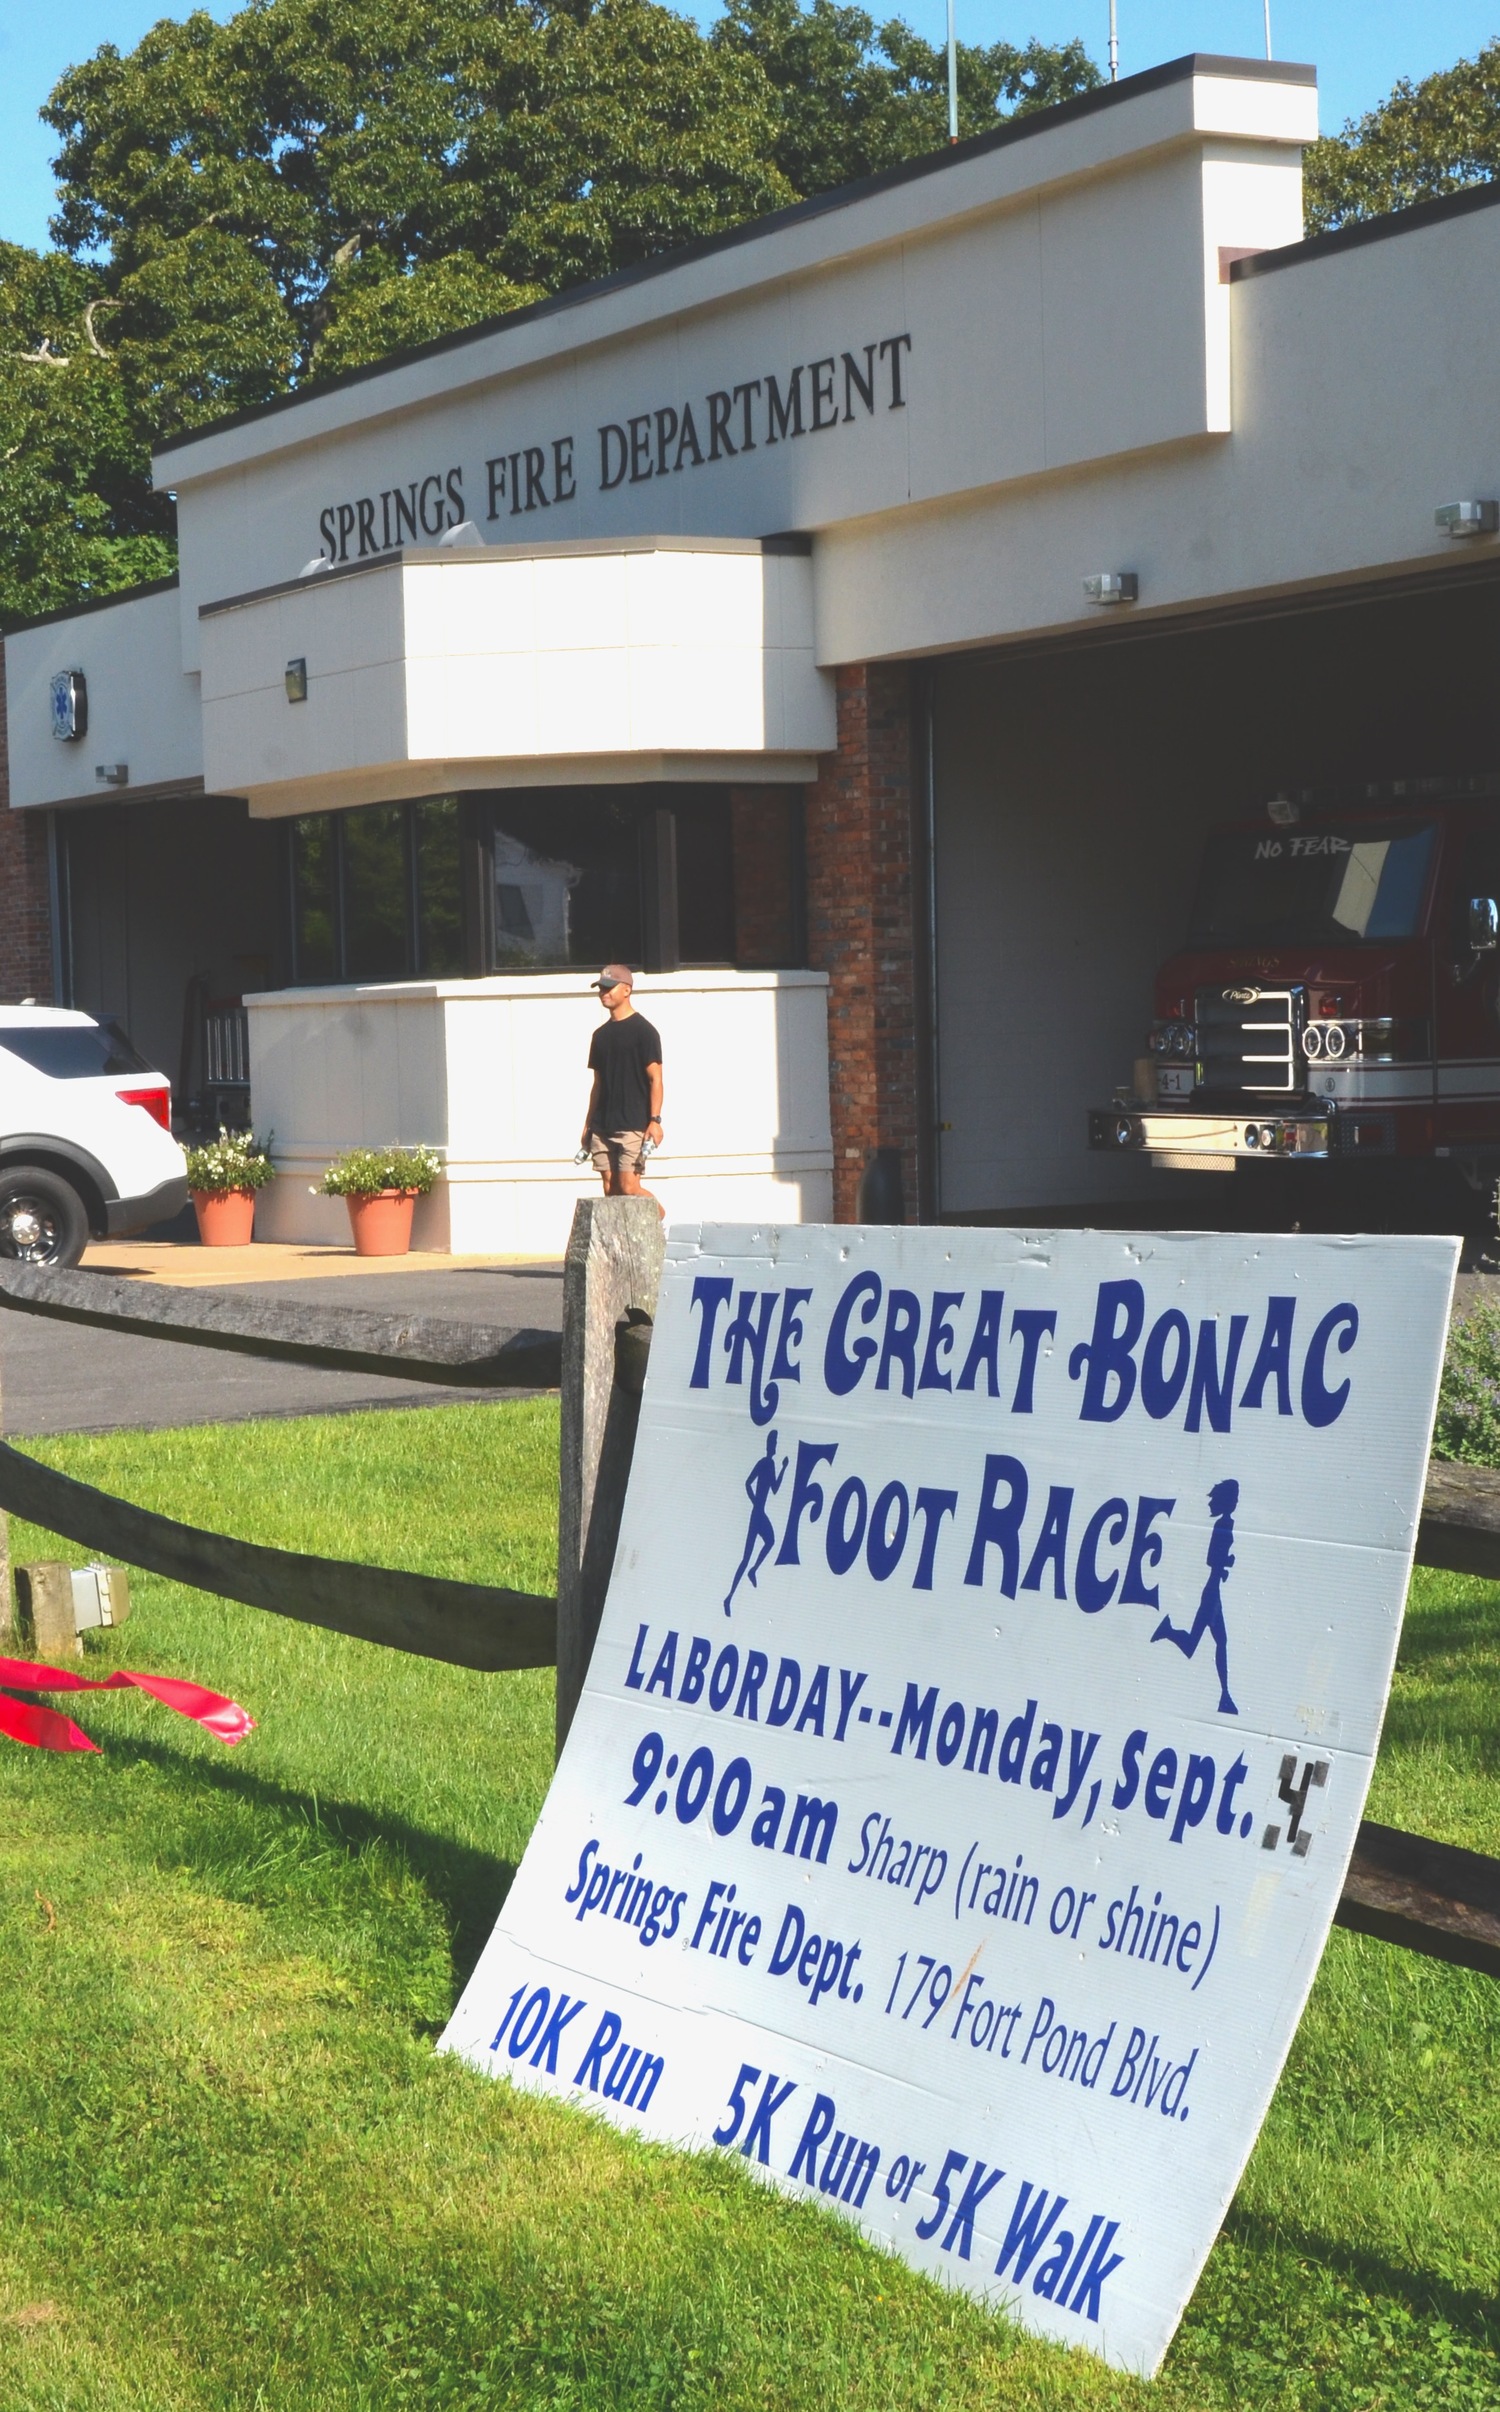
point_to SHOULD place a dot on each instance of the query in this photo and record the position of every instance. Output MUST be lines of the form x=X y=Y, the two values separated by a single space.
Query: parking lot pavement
x=66 y=1377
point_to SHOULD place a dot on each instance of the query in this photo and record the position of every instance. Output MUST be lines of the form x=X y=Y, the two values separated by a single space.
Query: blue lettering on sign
x=746 y=1340
x=895 y=1341
x=532 y=2030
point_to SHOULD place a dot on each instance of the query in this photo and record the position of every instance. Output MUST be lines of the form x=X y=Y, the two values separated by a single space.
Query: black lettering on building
x=784 y=416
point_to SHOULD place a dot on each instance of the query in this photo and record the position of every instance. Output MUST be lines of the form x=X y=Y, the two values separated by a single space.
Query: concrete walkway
x=183 y=1265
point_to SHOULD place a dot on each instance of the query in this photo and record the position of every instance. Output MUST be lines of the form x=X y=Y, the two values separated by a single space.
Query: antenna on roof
x=1114 y=42
x=953 y=76
x=1266 y=5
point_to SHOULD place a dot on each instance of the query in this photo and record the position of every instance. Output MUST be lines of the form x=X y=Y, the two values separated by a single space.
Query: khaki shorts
x=620 y=1151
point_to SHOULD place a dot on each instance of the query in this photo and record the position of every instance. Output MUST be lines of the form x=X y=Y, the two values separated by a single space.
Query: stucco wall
x=493 y=1073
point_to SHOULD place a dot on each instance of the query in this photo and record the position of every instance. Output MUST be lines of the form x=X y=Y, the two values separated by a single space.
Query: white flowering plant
x=235 y=1160
x=369 y=1172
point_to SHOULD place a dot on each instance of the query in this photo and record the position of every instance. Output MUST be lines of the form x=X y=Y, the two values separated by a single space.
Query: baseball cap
x=614 y=975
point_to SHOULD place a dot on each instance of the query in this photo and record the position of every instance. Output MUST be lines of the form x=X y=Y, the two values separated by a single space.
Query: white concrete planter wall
x=493 y=1073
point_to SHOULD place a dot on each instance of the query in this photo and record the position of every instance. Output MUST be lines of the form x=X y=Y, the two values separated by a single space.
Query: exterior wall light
x=296 y=681
x=1468 y=518
x=112 y=774
x=1112 y=586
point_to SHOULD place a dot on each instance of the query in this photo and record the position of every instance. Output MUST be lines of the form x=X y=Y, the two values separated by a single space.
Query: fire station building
x=857 y=621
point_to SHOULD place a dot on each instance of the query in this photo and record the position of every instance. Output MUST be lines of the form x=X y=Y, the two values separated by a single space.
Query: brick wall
x=861 y=893
x=25 y=893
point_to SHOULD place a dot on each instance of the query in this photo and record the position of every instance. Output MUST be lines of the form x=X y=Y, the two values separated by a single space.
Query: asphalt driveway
x=63 y=1377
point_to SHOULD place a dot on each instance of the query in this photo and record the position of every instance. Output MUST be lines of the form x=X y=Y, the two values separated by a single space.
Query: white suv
x=86 y=1145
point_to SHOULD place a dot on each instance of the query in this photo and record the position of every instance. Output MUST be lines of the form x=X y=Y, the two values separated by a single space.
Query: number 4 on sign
x=1295 y=1793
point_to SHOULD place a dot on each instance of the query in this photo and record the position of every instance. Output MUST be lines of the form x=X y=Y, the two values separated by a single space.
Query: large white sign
x=978 y=1732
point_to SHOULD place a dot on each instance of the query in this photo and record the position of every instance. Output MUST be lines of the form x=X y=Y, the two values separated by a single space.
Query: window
x=769 y=902
x=73 y=1051
x=440 y=935
x=315 y=950
x=1309 y=886
x=377 y=891
x=705 y=881
x=548 y=879
x=565 y=879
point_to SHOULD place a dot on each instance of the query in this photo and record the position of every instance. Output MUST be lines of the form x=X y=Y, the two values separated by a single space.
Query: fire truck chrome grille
x=1248 y=1041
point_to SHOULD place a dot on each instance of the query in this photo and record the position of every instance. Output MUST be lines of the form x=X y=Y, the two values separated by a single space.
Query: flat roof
x=89 y=603
x=1391 y=222
x=1192 y=64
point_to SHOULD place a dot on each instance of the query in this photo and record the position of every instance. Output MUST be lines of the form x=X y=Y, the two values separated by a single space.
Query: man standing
x=625 y=1101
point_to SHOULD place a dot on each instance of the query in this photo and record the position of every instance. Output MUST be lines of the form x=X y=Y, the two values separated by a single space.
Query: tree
x=1427 y=139
x=315 y=185
x=852 y=100
x=77 y=514
x=317 y=182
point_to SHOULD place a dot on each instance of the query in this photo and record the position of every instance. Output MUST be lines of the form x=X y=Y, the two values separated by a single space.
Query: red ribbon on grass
x=46 y=1729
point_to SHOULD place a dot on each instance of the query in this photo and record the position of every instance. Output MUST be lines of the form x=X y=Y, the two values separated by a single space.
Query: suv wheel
x=42 y=1218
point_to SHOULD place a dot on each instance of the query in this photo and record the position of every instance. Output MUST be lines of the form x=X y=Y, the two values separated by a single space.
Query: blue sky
x=1360 y=47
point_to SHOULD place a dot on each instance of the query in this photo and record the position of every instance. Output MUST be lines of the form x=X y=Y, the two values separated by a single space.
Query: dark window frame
x=658 y=810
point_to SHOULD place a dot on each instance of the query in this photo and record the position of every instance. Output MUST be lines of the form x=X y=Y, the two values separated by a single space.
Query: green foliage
x=1427 y=139
x=1468 y=1415
x=236 y=2174
x=420 y=162
x=77 y=515
x=235 y=1160
x=367 y=1172
x=315 y=185
x=380 y=313
x=852 y=99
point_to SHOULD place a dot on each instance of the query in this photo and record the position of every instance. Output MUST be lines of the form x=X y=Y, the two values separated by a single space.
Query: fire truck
x=1337 y=1001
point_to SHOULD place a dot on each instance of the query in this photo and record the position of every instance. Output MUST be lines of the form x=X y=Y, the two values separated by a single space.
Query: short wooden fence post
x=610 y=1280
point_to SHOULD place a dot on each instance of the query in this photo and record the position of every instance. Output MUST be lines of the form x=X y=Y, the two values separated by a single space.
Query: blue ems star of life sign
x=978 y=1730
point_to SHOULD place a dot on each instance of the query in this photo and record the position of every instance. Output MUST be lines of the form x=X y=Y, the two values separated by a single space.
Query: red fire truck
x=1338 y=998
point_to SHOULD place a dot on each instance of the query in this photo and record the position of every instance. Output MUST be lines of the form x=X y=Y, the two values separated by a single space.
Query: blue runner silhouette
x=1223 y=1499
x=762 y=1481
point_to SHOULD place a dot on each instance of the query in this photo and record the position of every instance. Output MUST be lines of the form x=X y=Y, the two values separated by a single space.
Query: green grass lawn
x=236 y=2175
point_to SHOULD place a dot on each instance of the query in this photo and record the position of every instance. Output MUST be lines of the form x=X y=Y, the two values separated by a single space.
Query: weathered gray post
x=610 y=1282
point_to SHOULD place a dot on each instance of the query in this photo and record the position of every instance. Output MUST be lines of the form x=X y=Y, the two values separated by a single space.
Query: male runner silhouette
x=763 y=1479
x=1223 y=1499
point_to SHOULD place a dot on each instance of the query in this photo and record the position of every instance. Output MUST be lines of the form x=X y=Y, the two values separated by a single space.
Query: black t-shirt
x=619 y=1053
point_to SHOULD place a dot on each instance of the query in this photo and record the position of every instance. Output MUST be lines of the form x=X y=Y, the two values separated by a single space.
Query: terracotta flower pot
x=226 y=1217
x=381 y=1222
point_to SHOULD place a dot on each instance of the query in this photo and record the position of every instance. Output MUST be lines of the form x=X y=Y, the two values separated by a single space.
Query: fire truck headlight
x=1335 y=1041
x=1312 y=1041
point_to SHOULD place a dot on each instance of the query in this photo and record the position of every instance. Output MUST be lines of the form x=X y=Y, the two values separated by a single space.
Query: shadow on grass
x=1450 y=1654
x=1455 y=1629
x=1466 y=2311
x=468 y=1885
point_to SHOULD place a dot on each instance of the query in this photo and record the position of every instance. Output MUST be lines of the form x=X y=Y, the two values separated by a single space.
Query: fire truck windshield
x=1292 y=887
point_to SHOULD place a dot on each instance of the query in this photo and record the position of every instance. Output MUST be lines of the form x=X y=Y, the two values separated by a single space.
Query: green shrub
x=235 y=1160
x=1468 y=1415
x=365 y=1171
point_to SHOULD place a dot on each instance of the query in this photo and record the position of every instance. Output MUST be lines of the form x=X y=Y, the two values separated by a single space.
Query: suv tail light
x=157 y=1102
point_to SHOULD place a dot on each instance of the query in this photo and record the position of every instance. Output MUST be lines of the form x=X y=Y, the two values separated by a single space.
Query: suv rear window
x=73 y=1050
